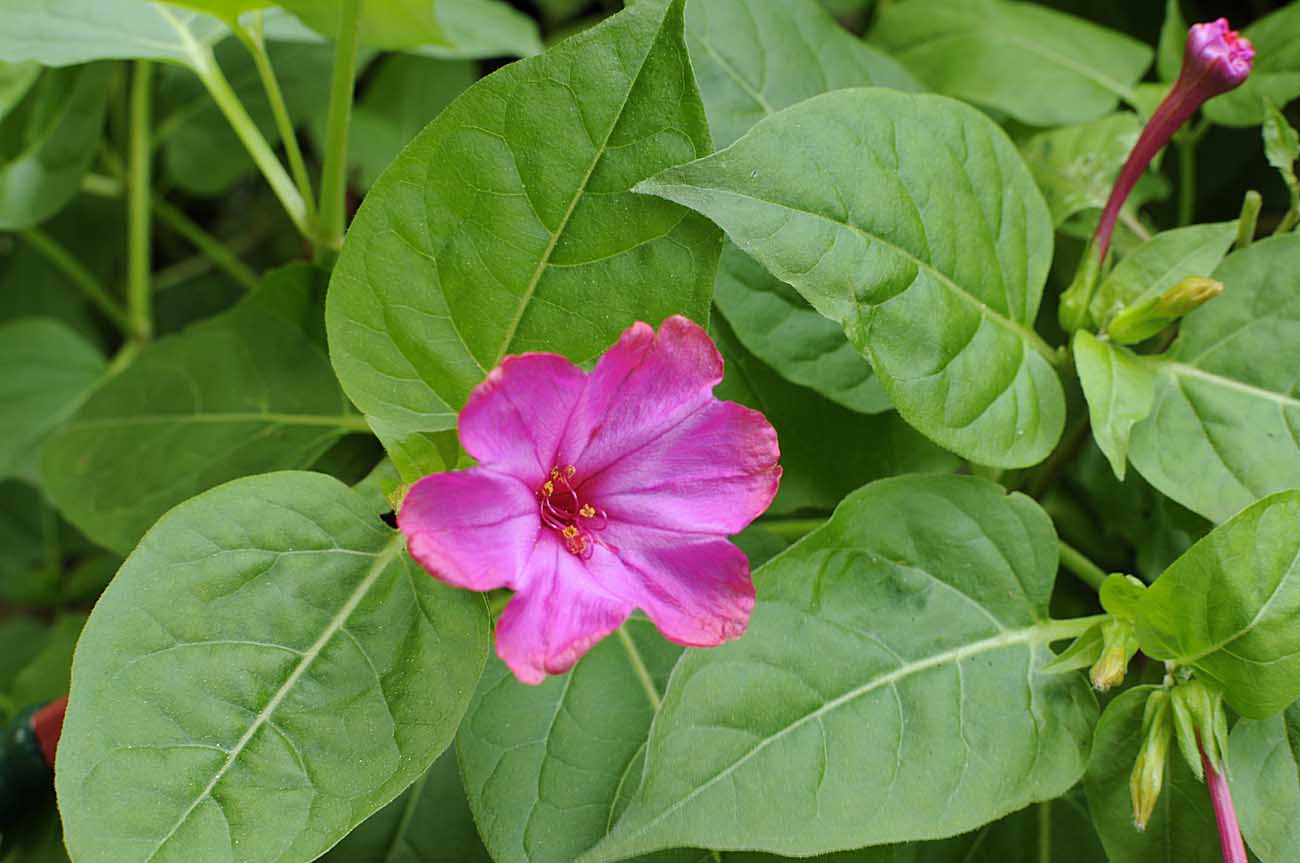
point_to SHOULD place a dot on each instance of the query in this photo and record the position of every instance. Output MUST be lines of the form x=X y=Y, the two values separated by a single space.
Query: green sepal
x=1201 y=723
x=1120 y=595
x=1148 y=777
x=1119 y=644
x=1082 y=652
x=1141 y=321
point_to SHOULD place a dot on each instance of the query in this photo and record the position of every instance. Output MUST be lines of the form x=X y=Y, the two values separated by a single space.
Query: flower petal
x=696 y=589
x=474 y=528
x=513 y=421
x=548 y=626
x=714 y=473
x=642 y=387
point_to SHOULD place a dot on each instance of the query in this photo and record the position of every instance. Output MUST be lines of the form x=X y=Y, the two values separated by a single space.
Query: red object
x=1234 y=850
x=47 y=725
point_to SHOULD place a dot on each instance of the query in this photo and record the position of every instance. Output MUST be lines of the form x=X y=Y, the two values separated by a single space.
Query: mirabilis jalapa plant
x=707 y=362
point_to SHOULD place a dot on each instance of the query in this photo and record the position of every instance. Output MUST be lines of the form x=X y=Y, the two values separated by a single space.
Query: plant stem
x=639 y=667
x=1248 y=220
x=1045 y=832
x=84 y=279
x=333 y=189
x=139 y=258
x=1225 y=815
x=256 y=46
x=1075 y=561
x=210 y=246
x=792 y=528
x=1186 y=178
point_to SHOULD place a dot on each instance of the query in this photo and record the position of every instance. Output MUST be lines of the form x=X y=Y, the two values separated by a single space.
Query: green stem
x=1087 y=571
x=792 y=529
x=83 y=278
x=334 y=176
x=210 y=246
x=1045 y=832
x=1186 y=179
x=256 y=46
x=1249 y=219
x=139 y=258
x=639 y=667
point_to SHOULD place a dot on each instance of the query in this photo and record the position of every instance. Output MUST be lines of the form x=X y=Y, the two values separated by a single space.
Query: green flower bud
x=1072 y=311
x=1148 y=776
x=1142 y=321
x=1200 y=722
x=1119 y=644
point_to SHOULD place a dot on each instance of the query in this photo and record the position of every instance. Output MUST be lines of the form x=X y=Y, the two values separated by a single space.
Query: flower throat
x=564 y=511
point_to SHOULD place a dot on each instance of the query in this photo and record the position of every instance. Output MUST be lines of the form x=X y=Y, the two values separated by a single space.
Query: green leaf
x=403 y=94
x=21 y=640
x=827 y=451
x=15 y=80
x=68 y=32
x=1182 y=825
x=507 y=226
x=1282 y=148
x=1224 y=429
x=49 y=141
x=1228 y=608
x=545 y=766
x=267 y=670
x=36 y=839
x=912 y=221
x=389 y=26
x=241 y=393
x=1120 y=596
x=1266 y=784
x=1042 y=67
x=226 y=10
x=201 y=153
x=482 y=29
x=1014 y=839
x=45 y=677
x=1160 y=263
x=780 y=328
x=1120 y=389
x=1172 y=44
x=754 y=57
x=23 y=522
x=429 y=822
x=919 y=613
x=1083 y=652
x=1275 y=78
x=46 y=370
x=1075 y=166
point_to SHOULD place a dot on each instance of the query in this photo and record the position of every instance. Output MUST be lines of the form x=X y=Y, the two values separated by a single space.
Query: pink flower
x=1215 y=61
x=597 y=493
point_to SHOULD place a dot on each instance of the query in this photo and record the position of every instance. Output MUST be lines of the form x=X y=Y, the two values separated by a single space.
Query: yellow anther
x=570 y=470
x=548 y=488
x=570 y=532
x=587 y=511
x=555 y=473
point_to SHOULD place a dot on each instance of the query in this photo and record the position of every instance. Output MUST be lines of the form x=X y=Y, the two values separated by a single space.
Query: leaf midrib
x=383 y=558
x=340 y=421
x=1184 y=370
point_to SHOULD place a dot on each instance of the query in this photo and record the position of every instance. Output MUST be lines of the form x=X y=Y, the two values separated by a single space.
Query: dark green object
x=24 y=775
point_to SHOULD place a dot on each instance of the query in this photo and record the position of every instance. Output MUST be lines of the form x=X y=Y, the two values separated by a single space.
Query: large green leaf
x=885 y=691
x=68 y=32
x=245 y=392
x=827 y=451
x=1040 y=66
x=1119 y=387
x=1075 y=166
x=779 y=327
x=1181 y=827
x=46 y=369
x=754 y=57
x=1160 y=263
x=507 y=225
x=545 y=766
x=1230 y=608
x=1275 y=78
x=227 y=10
x=267 y=669
x=15 y=80
x=1266 y=784
x=484 y=28
x=45 y=677
x=392 y=25
x=48 y=142
x=912 y=221
x=429 y=822
x=1225 y=428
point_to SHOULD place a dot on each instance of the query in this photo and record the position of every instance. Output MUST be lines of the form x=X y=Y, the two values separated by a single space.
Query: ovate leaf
x=888 y=678
x=267 y=669
x=1042 y=67
x=1119 y=387
x=242 y=393
x=1160 y=263
x=15 y=80
x=1182 y=825
x=912 y=222
x=1075 y=166
x=68 y=32
x=46 y=369
x=1266 y=784
x=390 y=26
x=1230 y=608
x=227 y=10
x=780 y=328
x=47 y=143
x=545 y=766
x=1225 y=428
x=753 y=58
x=1275 y=78
x=507 y=225
x=429 y=822
x=483 y=28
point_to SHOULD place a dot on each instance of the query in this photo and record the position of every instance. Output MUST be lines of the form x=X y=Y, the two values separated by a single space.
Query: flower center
x=563 y=510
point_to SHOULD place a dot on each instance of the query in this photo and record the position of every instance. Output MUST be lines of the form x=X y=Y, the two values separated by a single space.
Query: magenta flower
x=1217 y=59
x=597 y=493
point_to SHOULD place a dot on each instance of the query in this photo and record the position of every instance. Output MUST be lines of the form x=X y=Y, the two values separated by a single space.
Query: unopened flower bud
x=1148 y=777
x=1119 y=643
x=1215 y=61
x=1143 y=320
x=1201 y=725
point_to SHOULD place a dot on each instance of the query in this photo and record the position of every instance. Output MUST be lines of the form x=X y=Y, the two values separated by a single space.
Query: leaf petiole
x=333 y=189
x=139 y=185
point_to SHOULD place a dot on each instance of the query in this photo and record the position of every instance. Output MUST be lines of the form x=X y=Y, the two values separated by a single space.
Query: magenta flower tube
x=1230 y=843
x=1216 y=60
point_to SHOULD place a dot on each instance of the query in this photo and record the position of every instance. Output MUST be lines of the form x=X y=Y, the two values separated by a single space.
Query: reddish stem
x=1234 y=850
